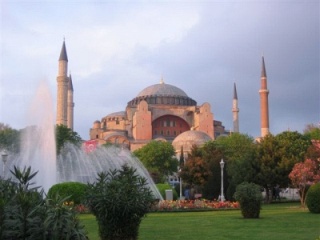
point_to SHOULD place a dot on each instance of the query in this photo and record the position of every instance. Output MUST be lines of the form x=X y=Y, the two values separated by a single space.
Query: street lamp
x=222 y=195
x=4 y=160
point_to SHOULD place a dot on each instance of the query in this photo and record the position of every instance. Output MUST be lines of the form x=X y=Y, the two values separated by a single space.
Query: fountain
x=38 y=150
x=75 y=164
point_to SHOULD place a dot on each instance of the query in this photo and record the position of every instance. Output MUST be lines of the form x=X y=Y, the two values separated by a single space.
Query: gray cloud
x=115 y=50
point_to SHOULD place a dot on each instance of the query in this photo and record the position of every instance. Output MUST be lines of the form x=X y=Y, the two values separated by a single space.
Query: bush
x=313 y=198
x=249 y=197
x=119 y=199
x=73 y=190
x=162 y=187
x=29 y=216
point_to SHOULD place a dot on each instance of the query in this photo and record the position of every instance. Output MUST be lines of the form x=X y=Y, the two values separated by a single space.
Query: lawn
x=277 y=221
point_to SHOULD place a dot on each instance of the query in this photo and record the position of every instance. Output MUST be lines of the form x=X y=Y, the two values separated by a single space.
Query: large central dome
x=162 y=89
x=163 y=94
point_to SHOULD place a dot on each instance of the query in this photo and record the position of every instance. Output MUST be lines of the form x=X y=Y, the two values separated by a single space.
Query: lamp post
x=222 y=195
x=4 y=155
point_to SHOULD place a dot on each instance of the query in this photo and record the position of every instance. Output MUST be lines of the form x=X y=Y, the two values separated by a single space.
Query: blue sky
x=118 y=48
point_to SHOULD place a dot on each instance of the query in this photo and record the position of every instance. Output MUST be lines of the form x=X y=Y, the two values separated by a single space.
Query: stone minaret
x=264 y=106
x=70 y=104
x=62 y=89
x=235 y=110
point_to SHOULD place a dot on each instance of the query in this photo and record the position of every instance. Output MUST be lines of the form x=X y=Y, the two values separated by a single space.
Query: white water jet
x=38 y=148
x=74 y=164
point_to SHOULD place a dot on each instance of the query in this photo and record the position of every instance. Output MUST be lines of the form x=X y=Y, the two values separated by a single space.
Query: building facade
x=159 y=112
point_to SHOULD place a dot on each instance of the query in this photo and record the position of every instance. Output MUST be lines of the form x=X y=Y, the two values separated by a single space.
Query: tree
x=239 y=152
x=158 y=157
x=304 y=175
x=212 y=154
x=312 y=132
x=181 y=159
x=65 y=134
x=276 y=156
x=313 y=151
x=293 y=147
x=195 y=170
x=9 y=138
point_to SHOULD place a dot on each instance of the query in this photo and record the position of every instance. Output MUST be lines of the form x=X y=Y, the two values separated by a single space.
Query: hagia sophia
x=161 y=112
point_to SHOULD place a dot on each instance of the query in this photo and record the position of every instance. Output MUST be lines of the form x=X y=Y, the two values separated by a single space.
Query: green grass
x=277 y=221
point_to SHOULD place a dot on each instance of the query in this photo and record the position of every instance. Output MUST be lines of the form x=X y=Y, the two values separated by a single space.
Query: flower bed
x=194 y=205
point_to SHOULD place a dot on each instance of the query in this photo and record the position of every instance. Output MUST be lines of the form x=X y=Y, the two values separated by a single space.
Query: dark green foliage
x=158 y=158
x=25 y=214
x=181 y=158
x=9 y=138
x=249 y=196
x=162 y=187
x=73 y=190
x=312 y=131
x=119 y=199
x=276 y=156
x=239 y=154
x=313 y=198
x=61 y=221
x=65 y=134
x=213 y=155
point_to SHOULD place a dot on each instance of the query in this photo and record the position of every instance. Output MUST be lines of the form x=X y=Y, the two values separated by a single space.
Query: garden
x=120 y=206
x=277 y=221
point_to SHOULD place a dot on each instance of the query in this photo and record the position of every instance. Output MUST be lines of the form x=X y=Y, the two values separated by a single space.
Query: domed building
x=187 y=139
x=159 y=112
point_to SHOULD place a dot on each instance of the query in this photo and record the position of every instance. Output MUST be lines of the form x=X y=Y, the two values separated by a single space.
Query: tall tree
x=195 y=170
x=65 y=134
x=312 y=131
x=9 y=138
x=276 y=156
x=159 y=158
x=181 y=159
x=239 y=152
x=212 y=154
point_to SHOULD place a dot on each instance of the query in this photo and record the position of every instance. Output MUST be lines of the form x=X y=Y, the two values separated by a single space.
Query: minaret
x=62 y=88
x=264 y=107
x=70 y=104
x=235 y=110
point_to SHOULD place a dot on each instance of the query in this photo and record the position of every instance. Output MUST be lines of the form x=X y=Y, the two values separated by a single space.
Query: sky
x=117 y=48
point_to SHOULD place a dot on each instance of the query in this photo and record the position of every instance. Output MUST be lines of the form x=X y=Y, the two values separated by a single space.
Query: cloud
x=116 y=49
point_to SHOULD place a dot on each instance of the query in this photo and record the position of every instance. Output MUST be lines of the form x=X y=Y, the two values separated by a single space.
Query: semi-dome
x=163 y=94
x=189 y=138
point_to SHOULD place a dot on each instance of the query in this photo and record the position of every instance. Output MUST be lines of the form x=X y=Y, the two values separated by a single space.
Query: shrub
x=29 y=216
x=162 y=187
x=119 y=199
x=313 y=198
x=74 y=190
x=249 y=197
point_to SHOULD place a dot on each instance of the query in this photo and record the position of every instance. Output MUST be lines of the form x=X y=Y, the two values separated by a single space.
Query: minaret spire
x=63 y=53
x=235 y=110
x=263 y=69
x=264 y=105
x=62 y=87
